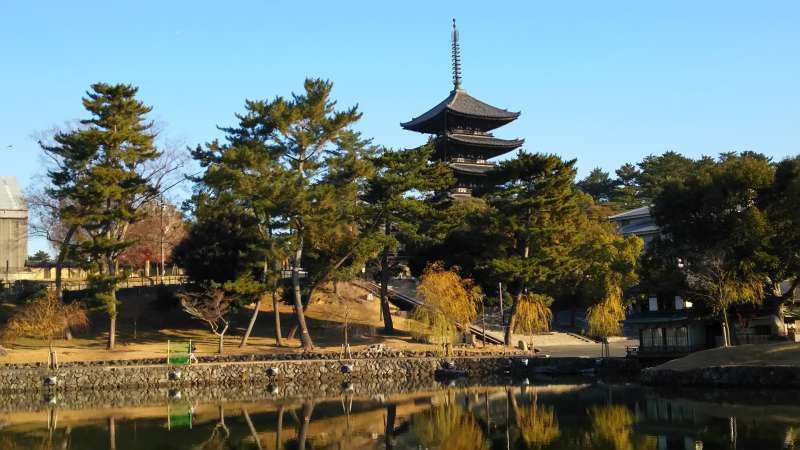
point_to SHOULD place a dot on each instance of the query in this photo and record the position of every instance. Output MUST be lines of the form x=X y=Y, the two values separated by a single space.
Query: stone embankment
x=725 y=376
x=312 y=374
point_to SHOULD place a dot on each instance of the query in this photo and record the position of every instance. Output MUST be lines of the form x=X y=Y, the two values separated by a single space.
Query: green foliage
x=397 y=206
x=714 y=221
x=658 y=171
x=628 y=193
x=99 y=183
x=609 y=265
x=536 y=214
x=397 y=193
x=295 y=166
x=782 y=205
x=599 y=185
x=221 y=246
x=40 y=257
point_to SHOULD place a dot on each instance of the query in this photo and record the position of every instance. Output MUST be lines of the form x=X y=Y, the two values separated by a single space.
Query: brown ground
x=782 y=354
x=143 y=331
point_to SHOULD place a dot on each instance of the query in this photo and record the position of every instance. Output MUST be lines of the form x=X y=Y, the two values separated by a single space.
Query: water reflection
x=447 y=425
x=557 y=416
x=537 y=424
x=612 y=429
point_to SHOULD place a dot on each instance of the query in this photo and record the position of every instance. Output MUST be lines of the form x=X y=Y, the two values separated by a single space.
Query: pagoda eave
x=471 y=169
x=460 y=105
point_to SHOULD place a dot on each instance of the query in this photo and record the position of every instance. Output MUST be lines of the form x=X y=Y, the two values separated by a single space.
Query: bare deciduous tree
x=721 y=287
x=212 y=306
x=46 y=318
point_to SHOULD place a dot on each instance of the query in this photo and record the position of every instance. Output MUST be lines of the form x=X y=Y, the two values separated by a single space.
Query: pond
x=580 y=415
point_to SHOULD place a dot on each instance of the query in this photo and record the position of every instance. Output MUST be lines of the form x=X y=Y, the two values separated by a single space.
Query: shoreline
x=308 y=373
x=756 y=377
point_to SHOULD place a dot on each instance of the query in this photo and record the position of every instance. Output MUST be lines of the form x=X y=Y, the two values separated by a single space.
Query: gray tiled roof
x=484 y=140
x=11 y=195
x=461 y=103
x=643 y=211
x=471 y=169
x=639 y=228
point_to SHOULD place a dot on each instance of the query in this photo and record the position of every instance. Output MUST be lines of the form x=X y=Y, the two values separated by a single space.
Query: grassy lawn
x=143 y=330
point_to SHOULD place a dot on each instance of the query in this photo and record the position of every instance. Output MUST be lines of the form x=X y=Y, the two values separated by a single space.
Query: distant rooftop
x=643 y=211
x=11 y=198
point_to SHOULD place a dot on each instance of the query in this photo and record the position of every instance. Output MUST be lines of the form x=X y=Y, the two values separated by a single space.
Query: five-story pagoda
x=461 y=126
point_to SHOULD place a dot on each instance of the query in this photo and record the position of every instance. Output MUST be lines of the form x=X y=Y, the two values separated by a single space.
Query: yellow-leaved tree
x=533 y=314
x=449 y=300
x=46 y=318
x=610 y=263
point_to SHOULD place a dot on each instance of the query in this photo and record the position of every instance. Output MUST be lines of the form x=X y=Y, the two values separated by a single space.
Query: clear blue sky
x=603 y=82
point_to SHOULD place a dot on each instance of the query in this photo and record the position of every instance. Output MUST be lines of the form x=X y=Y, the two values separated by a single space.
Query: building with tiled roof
x=638 y=222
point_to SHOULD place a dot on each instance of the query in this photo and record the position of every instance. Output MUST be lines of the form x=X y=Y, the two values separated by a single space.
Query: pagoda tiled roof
x=471 y=168
x=461 y=103
x=484 y=140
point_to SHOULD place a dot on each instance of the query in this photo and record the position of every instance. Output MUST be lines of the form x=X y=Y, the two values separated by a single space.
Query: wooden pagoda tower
x=461 y=126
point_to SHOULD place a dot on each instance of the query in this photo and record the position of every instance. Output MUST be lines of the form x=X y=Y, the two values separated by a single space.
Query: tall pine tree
x=536 y=214
x=395 y=198
x=293 y=164
x=100 y=183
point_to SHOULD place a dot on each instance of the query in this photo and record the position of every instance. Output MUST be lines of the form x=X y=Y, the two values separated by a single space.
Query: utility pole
x=161 y=236
x=483 y=318
x=502 y=312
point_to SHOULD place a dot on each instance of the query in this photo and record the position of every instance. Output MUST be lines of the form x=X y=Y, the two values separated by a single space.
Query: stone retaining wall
x=310 y=373
x=730 y=376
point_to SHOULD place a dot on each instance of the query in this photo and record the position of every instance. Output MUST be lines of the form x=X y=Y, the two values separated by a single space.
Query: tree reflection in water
x=612 y=429
x=537 y=424
x=446 y=426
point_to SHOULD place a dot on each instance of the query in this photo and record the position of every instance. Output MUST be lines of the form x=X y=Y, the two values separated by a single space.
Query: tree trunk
x=62 y=254
x=305 y=337
x=112 y=331
x=252 y=322
x=726 y=330
x=308 y=409
x=277 y=313
x=112 y=433
x=388 y=326
x=252 y=428
x=391 y=413
x=279 y=428
x=512 y=320
x=221 y=343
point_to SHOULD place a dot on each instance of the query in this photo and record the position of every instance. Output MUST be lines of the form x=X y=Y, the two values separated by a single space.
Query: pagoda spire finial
x=456 y=58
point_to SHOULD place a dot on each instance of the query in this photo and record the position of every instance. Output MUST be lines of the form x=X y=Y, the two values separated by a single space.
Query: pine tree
x=714 y=221
x=292 y=164
x=100 y=183
x=396 y=205
x=599 y=185
x=537 y=216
